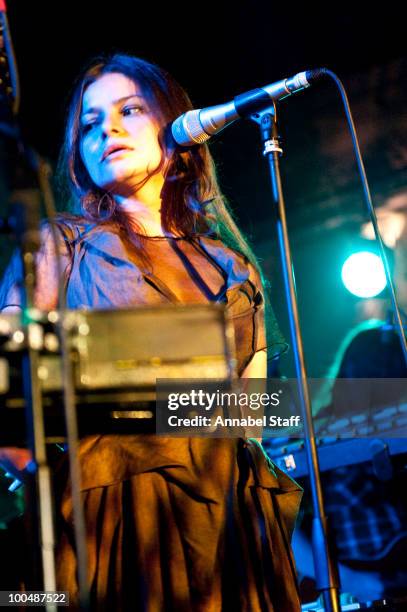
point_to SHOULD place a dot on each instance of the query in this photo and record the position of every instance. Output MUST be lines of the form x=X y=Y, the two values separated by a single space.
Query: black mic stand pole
x=325 y=567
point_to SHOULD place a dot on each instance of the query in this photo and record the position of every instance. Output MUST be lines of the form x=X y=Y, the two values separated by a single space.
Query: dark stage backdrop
x=220 y=49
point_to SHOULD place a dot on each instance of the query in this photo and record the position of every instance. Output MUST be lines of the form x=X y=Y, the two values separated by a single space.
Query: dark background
x=219 y=49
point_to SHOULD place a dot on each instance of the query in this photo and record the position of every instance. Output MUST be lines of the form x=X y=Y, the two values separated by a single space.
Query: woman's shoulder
x=71 y=226
x=231 y=259
x=223 y=252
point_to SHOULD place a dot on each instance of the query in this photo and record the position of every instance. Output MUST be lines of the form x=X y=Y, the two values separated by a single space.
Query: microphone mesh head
x=187 y=129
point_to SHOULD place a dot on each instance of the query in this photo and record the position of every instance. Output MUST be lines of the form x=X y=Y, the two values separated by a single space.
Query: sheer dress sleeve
x=258 y=302
x=266 y=331
x=46 y=293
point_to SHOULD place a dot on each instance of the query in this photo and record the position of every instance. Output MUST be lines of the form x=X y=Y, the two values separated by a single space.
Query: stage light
x=363 y=274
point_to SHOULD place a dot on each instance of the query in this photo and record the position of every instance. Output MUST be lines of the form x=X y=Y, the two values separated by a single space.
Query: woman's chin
x=122 y=183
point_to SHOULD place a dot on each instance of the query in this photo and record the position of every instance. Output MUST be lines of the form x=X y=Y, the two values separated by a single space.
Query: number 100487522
x=34 y=598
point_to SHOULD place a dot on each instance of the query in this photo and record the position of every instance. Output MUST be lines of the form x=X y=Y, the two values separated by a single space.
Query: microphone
x=197 y=126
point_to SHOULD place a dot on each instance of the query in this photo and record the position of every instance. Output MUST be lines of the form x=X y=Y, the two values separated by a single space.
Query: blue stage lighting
x=363 y=274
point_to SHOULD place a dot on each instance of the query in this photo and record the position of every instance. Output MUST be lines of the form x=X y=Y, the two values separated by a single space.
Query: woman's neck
x=144 y=206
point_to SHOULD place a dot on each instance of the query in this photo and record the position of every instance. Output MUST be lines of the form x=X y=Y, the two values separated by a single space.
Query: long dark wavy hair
x=192 y=203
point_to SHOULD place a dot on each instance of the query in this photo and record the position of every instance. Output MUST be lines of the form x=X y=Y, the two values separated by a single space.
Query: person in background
x=366 y=507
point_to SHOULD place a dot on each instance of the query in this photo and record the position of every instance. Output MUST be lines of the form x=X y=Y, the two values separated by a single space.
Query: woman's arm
x=15 y=459
x=257 y=367
x=46 y=291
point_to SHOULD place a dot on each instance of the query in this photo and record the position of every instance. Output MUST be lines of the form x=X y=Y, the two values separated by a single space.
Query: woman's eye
x=87 y=127
x=131 y=110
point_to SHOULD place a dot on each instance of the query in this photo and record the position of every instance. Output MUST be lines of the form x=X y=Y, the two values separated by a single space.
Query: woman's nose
x=112 y=125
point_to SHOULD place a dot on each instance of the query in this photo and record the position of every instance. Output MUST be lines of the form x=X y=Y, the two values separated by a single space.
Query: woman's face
x=119 y=135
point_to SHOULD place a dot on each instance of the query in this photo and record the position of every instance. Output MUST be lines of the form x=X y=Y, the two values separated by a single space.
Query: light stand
x=30 y=173
x=25 y=217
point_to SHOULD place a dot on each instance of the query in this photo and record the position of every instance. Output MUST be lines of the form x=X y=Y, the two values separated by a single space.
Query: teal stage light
x=363 y=274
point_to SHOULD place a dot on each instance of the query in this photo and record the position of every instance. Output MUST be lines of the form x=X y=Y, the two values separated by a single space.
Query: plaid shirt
x=367 y=516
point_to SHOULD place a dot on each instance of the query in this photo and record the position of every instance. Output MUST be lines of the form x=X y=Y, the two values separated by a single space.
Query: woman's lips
x=114 y=150
x=115 y=154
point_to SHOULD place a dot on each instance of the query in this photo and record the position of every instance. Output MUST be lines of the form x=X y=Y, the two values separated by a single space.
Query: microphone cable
x=370 y=207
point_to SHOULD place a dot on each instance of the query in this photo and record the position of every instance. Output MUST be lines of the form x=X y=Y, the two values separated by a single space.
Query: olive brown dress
x=186 y=524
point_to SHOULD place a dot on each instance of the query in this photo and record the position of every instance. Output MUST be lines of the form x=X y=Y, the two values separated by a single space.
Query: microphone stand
x=325 y=568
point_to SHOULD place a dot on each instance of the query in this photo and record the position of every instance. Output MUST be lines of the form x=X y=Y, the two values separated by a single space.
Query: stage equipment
x=117 y=357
